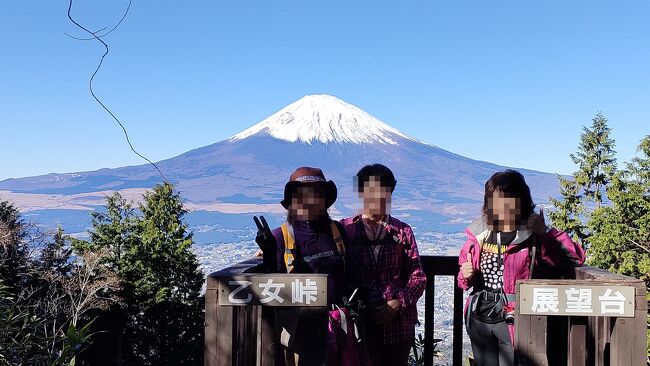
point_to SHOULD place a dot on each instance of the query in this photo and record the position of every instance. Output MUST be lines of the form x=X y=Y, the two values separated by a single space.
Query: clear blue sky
x=510 y=82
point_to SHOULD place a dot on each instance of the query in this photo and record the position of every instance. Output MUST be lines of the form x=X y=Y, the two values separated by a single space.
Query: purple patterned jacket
x=397 y=271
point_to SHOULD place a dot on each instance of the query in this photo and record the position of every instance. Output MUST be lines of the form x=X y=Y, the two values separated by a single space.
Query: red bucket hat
x=307 y=175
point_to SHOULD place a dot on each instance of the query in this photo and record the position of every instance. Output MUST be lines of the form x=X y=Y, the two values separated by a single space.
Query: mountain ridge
x=252 y=166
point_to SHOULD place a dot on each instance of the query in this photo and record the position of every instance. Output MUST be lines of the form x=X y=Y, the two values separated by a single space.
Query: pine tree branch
x=640 y=246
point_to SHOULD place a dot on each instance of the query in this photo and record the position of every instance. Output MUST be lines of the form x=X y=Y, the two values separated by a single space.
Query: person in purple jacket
x=309 y=242
x=383 y=262
x=509 y=242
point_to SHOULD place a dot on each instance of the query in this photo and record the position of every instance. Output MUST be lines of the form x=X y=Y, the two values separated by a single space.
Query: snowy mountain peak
x=324 y=118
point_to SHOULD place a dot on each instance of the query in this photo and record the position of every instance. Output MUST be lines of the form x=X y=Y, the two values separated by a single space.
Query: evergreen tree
x=596 y=163
x=112 y=230
x=568 y=210
x=595 y=159
x=15 y=268
x=48 y=296
x=621 y=231
x=112 y=233
x=161 y=321
x=21 y=340
x=35 y=328
x=56 y=255
x=163 y=277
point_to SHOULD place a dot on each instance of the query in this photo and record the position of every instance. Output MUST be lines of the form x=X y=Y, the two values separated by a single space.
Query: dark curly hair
x=512 y=184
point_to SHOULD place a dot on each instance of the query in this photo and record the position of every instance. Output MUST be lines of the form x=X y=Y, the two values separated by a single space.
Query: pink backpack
x=343 y=347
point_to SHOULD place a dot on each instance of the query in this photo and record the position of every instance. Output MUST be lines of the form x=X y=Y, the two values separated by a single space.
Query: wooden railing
x=442 y=266
x=246 y=335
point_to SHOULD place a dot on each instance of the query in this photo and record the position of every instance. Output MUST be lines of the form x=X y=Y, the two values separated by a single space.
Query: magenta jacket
x=556 y=249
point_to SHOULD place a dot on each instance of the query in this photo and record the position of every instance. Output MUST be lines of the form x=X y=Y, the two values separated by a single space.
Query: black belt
x=484 y=294
x=490 y=296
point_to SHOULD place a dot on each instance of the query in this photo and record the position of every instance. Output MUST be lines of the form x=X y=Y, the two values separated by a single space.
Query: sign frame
x=579 y=298
x=273 y=289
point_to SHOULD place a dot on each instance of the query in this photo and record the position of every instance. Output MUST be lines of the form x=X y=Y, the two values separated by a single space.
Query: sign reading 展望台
x=576 y=300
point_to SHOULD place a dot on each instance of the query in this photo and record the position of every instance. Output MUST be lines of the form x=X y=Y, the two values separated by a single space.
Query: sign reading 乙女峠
x=576 y=300
x=273 y=290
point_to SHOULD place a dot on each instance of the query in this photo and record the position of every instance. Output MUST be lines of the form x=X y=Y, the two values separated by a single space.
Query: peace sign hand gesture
x=266 y=241
x=264 y=238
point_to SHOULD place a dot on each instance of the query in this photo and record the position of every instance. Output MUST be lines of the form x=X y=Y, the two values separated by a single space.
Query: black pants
x=379 y=353
x=308 y=335
x=491 y=343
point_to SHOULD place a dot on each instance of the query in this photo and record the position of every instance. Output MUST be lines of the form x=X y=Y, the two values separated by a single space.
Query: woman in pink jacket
x=509 y=242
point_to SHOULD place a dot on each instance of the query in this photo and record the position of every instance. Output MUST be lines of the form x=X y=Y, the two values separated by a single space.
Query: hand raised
x=536 y=222
x=264 y=238
x=467 y=269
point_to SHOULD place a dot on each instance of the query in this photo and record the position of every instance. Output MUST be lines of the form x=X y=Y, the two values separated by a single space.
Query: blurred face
x=376 y=198
x=504 y=213
x=308 y=203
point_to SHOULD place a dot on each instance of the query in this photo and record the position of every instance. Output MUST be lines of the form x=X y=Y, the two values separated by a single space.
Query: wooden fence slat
x=522 y=333
x=211 y=330
x=458 y=326
x=522 y=339
x=622 y=342
x=429 y=304
x=577 y=342
x=640 y=347
x=537 y=343
x=557 y=338
x=224 y=344
x=266 y=347
x=602 y=341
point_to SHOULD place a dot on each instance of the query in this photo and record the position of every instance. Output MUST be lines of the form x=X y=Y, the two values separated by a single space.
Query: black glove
x=266 y=241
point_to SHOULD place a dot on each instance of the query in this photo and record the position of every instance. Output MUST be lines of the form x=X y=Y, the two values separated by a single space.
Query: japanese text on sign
x=576 y=300
x=272 y=290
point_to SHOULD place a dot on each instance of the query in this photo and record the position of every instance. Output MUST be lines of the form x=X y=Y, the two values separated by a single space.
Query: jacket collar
x=391 y=222
x=482 y=232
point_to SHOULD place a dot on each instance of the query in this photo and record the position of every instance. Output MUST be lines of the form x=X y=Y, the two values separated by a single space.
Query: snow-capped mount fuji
x=326 y=119
x=247 y=172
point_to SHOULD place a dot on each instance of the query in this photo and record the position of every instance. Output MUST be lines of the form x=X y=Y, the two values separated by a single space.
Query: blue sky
x=510 y=82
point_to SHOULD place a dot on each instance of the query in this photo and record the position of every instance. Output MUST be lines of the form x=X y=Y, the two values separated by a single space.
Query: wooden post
x=442 y=266
x=640 y=347
x=577 y=342
x=211 y=301
x=267 y=347
x=240 y=328
x=225 y=344
x=428 y=320
x=458 y=325
x=522 y=336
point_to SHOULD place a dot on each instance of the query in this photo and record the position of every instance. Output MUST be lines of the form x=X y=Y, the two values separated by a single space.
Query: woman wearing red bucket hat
x=309 y=242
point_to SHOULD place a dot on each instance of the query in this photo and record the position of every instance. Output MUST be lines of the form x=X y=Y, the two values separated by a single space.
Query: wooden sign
x=576 y=300
x=273 y=290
